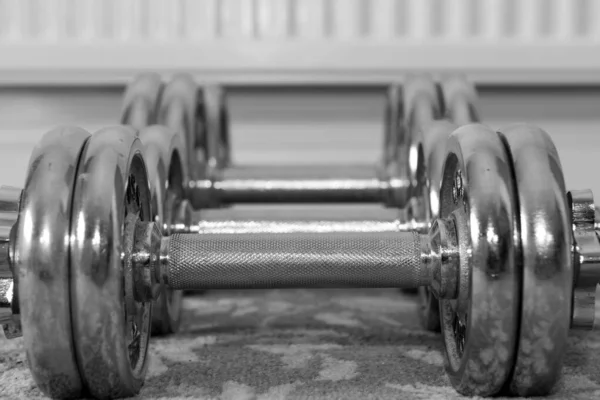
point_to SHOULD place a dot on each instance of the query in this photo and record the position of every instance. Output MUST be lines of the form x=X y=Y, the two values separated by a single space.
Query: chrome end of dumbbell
x=178 y=215
x=203 y=192
x=444 y=267
x=145 y=257
x=586 y=259
x=9 y=299
x=395 y=185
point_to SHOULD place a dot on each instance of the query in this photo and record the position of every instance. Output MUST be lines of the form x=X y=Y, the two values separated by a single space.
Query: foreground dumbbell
x=199 y=118
x=499 y=258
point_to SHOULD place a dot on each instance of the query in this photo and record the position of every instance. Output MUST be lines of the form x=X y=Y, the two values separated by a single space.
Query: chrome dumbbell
x=201 y=118
x=381 y=183
x=499 y=258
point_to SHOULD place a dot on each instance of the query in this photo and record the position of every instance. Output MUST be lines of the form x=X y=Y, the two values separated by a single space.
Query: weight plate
x=545 y=259
x=166 y=175
x=480 y=327
x=422 y=102
x=422 y=106
x=110 y=329
x=41 y=257
x=426 y=157
x=181 y=111
x=216 y=126
x=392 y=124
x=460 y=99
x=141 y=99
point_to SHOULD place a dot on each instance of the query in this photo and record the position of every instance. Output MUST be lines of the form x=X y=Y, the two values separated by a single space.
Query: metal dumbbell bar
x=227 y=226
x=201 y=116
x=502 y=257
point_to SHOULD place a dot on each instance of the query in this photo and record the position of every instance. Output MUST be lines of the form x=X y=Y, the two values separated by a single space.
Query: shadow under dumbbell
x=327 y=343
x=374 y=316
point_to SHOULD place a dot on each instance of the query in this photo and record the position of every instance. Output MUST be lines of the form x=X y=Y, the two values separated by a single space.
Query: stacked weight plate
x=503 y=257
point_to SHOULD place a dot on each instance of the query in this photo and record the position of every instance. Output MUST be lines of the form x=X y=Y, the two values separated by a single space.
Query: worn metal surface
x=110 y=329
x=42 y=259
x=480 y=329
x=163 y=152
x=544 y=259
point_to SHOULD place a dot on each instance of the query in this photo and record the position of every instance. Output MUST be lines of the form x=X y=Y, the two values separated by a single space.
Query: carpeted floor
x=317 y=344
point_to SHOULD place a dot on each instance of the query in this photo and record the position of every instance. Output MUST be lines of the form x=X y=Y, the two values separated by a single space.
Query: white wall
x=303 y=127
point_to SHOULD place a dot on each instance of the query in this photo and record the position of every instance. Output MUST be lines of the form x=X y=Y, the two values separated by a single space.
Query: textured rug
x=317 y=344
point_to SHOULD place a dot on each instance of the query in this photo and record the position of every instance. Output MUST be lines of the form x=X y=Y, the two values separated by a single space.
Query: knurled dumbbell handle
x=295 y=260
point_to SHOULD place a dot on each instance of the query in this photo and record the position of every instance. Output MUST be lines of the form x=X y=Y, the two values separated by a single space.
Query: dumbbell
x=418 y=103
x=204 y=129
x=505 y=257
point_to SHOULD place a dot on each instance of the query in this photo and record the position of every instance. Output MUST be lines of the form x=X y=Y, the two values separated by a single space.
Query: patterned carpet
x=317 y=344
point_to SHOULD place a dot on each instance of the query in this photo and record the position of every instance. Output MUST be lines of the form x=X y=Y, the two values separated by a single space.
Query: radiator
x=299 y=41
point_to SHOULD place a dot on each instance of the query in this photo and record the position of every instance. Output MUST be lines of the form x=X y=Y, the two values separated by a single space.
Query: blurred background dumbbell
x=200 y=117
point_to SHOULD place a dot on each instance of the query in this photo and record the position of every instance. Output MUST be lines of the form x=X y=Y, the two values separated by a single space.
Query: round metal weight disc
x=110 y=329
x=216 y=129
x=547 y=267
x=41 y=257
x=480 y=326
x=422 y=103
x=180 y=110
x=427 y=150
x=460 y=99
x=421 y=107
x=140 y=103
x=166 y=174
x=392 y=122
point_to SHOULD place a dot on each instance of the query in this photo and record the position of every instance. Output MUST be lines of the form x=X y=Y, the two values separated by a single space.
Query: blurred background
x=306 y=77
